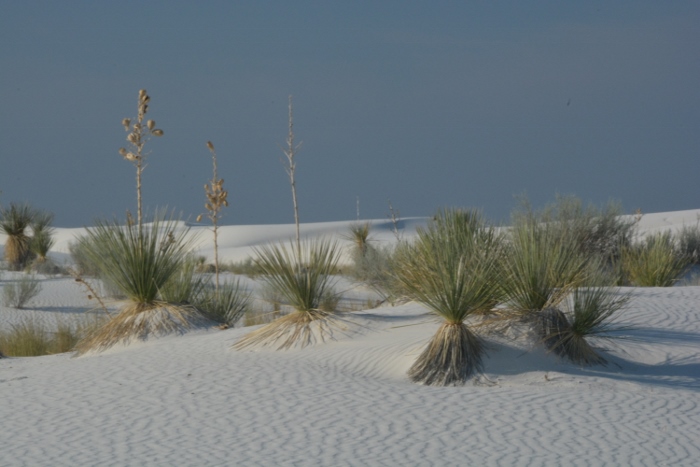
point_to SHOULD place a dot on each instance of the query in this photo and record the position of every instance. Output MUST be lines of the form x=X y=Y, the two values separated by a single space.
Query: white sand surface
x=192 y=400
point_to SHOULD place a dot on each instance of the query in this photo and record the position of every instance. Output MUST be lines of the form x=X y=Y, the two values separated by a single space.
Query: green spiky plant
x=452 y=269
x=655 y=262
x=14 y=221
x=303 y=278
x=225 y=305
x=590 y=314
x=42 y=236
x=542 y=267
x=139 y=262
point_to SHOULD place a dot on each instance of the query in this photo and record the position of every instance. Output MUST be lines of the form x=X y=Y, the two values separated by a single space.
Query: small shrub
x=31 y=338
x=655 y=262
x=17 y=294
x=186 y=285
x=226 y=305
x=689 y=243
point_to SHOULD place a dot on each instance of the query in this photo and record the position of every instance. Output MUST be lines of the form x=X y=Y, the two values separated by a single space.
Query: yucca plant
x=590 y=314
x=359 y=235
x=303 y=278
x=452 y=269
x=139 y=262
x=42 y=235
x=655 y=262
x=541 y=267
x=14 y=221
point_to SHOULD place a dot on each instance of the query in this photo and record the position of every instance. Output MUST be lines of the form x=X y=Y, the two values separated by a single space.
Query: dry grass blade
x=297 y=329
x=139 y=321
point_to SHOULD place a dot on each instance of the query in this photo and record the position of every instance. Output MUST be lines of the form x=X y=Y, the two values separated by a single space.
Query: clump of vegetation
x=590 y=314
x=303 y=278
x=599 y=232
x=31 y=338
x=654 y=262
x=225 y=305
x=14 y=221
x=18 y=293
x=452 y=269
x=689 y=243
x=139 y=262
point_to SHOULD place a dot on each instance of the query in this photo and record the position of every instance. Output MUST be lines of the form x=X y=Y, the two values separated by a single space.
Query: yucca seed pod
x=126 y=122
x=122 y=151
x=131 y=137
x=210 y=145
x=142 y=93
x=199 y=218
x=157 y=132
x=151 y=124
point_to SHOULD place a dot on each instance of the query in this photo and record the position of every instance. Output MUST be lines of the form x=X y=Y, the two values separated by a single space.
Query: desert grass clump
x=452 y=269
x=139 y=132
x=139 y=262
x=14 y=221
x=18 y=293
x=31 y=338
x=689 y=242
x=654 y=262
x=598 y=232
x=225 y=305
x=303 y=278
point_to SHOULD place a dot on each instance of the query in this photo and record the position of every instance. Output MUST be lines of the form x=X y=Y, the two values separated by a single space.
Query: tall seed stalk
x=290 y=152
x=137 y=138
x=216 y=200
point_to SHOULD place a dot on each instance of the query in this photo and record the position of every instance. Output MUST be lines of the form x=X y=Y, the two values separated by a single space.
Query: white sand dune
x=191 y=400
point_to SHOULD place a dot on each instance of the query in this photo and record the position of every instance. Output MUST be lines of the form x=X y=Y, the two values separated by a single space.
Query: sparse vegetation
x=689 y=243
x=654 y=262
x=31 y=338
x=16 y=294
x=226 y=305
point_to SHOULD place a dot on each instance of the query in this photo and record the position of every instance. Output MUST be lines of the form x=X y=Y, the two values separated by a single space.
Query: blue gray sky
x=429 y=104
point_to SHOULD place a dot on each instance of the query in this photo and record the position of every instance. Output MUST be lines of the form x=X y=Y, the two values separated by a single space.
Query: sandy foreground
x=192 y=400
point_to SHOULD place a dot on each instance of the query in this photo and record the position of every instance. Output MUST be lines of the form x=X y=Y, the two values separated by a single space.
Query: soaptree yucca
x=14 y=221
x=452 y=268
x=303 y=279
x=139 y=262
x=589 y=313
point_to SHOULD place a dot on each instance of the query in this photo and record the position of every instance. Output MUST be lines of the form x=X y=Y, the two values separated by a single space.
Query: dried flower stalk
x=216 y=200
x=139 y=134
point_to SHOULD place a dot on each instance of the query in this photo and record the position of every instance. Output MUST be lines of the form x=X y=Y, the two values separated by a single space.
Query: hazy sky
x=429 y=104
